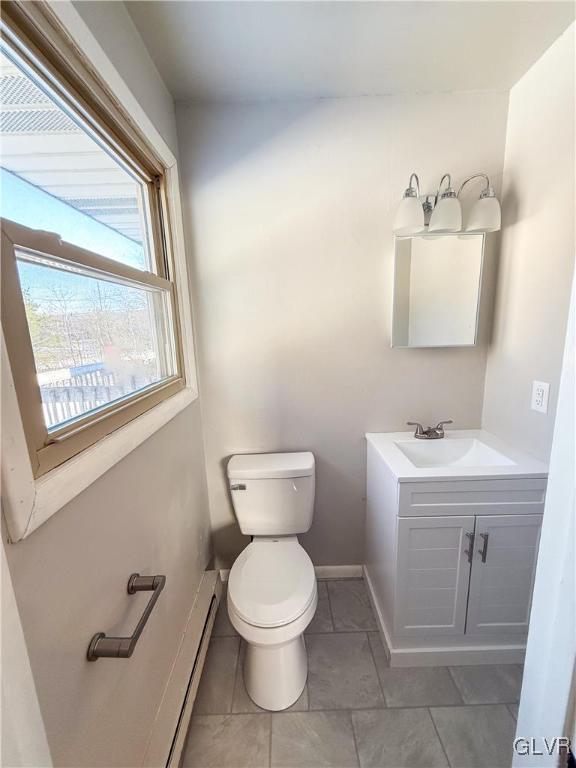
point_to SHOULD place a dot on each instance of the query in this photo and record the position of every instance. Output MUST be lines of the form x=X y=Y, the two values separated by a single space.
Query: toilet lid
x=272 y=582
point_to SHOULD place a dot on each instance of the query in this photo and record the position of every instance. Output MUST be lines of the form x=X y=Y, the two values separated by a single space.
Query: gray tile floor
x=355 y=709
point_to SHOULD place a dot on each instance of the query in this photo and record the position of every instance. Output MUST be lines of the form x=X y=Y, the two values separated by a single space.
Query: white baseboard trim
x=432 y=657
x=379 y=618
x=338 y=571
x=322 y=572
x=454 y=657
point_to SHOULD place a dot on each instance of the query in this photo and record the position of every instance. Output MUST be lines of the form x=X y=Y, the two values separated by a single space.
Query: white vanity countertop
x=509 y=462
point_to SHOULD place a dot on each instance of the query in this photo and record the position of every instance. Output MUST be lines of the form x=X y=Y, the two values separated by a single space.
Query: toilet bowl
x=272 y=593
x=272 y=597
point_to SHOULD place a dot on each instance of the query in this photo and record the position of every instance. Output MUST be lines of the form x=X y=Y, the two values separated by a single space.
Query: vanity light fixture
x=410 y=214
x=442 y=212
x=486 y=215
x=447 y=213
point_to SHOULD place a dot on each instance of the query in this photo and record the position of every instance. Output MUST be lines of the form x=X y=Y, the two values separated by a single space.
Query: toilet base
x=275 y=675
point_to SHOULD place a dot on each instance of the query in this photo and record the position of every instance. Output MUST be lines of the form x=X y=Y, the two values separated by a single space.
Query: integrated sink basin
x=461 y=453
x=452 y=452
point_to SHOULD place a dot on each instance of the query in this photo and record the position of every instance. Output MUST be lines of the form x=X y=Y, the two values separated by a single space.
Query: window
x=89 y=305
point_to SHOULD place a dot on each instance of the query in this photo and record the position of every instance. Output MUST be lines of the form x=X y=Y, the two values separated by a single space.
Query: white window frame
x=27 y=502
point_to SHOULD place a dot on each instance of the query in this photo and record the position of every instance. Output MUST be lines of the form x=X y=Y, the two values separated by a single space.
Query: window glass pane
x=94 y=341
x=57 y=178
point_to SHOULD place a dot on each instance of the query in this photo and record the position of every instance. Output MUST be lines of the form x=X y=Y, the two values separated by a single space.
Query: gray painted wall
x=537 y=251
x=148 y=514
x=291 y=207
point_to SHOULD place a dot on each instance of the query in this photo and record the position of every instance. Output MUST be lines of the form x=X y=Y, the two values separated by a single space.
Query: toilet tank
x=272 y=493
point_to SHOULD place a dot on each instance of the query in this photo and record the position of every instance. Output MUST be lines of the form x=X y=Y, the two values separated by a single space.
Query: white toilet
x=272 y=593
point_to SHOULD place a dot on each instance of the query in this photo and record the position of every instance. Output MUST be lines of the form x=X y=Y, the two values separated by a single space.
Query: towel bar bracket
x=123 y=647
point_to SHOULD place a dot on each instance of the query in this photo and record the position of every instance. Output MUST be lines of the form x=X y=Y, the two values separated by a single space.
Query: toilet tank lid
x=259 y=466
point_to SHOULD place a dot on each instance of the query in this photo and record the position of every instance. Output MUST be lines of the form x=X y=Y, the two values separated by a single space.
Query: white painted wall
x=147 y=514
x=537 y=251
x=23 y=739
x=545 y=706
x=291 y=207
x=533 y=297
x=112 y=26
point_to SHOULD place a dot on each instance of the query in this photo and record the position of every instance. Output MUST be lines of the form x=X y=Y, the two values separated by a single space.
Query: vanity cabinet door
x=433 y=574
x=503 y=570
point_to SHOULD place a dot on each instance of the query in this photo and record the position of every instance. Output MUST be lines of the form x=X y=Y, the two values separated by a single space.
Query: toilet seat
x=272 y=582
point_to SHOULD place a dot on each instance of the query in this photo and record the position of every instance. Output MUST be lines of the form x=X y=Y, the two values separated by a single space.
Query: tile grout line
x=431 y=716
x=469 y=706
x=456 y=685
x=270 y=740
x=339 y=632
x=363 y=709
x=377 y=672
x=358 y=709
x=330 y=609
x=475 y=703
x=370 y=609
x=306 y=687
x=235 y=675
x=384 y=699
x=354 y=737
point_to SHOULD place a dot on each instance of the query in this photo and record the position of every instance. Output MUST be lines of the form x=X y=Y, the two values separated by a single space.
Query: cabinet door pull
x=484 y=551
x=470 y=550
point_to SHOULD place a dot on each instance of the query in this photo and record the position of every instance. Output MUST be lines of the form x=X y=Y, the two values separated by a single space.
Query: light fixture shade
x=409 y=217
x=446 y=216
x=485 y=216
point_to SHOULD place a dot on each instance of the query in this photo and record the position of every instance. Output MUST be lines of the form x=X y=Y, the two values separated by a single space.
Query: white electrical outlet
x=540 y=392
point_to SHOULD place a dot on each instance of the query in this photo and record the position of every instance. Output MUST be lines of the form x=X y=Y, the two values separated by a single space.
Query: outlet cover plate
x=540 y=393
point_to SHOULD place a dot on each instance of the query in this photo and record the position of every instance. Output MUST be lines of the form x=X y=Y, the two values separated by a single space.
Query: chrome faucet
x=431 y=433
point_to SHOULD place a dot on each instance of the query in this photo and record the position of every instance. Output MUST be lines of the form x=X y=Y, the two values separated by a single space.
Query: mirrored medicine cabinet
x=437 y=287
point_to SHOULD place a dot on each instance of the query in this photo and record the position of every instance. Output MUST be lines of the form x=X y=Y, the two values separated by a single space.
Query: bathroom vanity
x=452 y=534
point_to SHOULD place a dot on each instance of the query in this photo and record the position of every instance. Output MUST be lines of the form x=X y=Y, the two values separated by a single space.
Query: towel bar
x=123 y=647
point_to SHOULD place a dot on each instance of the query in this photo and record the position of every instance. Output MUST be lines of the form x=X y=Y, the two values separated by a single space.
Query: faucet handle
x=440 y=425
x=419 y=427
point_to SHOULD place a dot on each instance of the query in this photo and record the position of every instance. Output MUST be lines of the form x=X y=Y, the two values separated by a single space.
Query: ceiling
x=259 y=50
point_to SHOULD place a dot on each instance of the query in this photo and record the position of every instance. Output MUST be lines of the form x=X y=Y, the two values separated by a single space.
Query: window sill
x=28 y=502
